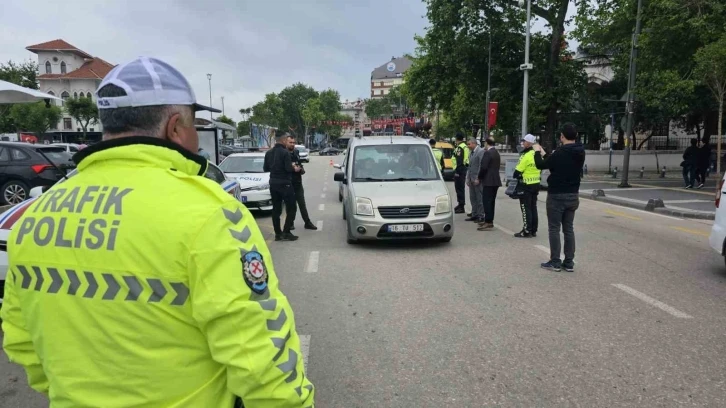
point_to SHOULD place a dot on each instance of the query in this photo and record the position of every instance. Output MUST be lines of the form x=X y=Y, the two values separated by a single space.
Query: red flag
x=493 y=109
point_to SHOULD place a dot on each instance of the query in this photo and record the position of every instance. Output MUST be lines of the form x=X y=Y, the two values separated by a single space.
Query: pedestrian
x=438 y=154
x=689 y=163
x=204 y=154
x=490 y=181
x=703 y=159
x=297 y=186
x=460 y=161
x=472 y=180
x=278 y=162
x=529 y=178
x=152 y=286
x=563 y=186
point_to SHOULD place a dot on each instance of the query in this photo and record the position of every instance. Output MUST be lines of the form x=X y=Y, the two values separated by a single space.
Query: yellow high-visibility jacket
x=526 y=166
x=140 y=283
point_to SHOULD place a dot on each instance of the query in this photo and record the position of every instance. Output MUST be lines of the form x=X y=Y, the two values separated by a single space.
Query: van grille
x=404 y=212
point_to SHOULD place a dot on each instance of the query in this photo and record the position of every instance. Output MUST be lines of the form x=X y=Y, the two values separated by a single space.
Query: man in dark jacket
x=563 y=183
x=490 y=181
x=278 y=162
x=703 y=160
x=297 y=185
x=689 y=164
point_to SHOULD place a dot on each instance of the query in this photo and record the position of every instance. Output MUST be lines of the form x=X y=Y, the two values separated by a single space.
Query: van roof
x=384 y=140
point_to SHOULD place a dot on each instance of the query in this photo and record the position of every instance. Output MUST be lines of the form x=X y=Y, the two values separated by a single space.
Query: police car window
x=4 y=155
x=18 y=154
x=214 y=174
x=243 y=164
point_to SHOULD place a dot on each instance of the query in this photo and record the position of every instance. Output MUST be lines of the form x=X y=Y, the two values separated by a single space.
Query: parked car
x=304 y=153
x=330 y=151
x=717 y=239
x=24 y=166
x=247 y=170
x=392 y=189
x=71 y=148
x=11 y=216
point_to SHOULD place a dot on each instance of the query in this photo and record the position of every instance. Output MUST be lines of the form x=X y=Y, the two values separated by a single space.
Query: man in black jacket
x=278 y=162
x=297 y=185
x=563 y=183
x=689 y=163
x=490 y=181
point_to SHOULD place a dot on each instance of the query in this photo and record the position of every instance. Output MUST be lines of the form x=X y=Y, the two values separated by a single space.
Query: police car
x=247 y=170
x=9 y=217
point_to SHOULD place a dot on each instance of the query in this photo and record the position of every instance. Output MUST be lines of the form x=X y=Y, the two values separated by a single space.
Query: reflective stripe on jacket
x=139 y=283
x=528 y=169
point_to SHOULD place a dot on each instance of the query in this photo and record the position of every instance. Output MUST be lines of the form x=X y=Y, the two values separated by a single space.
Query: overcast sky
x=251 y=47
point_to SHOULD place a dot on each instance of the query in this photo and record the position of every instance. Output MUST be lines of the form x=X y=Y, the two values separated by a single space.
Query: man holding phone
x=297 y=185
x=278 y=162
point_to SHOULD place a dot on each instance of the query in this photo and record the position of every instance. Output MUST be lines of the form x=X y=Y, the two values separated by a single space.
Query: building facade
x=388 y=75
x=357 y=111
x=68 y=72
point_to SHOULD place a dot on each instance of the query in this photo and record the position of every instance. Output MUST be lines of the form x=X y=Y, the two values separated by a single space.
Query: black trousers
x=283 y=193
x=460 y=186
x=561 y=215
x=528 y=205
x=489 y=198
x=300 y=198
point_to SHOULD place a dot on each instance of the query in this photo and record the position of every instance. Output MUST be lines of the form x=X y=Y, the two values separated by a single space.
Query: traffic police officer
x=138 y=282
x=460 y=162
x=438 y=154
x=529 y=177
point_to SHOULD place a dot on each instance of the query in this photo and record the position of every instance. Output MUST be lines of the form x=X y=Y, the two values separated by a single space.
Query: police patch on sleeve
x=254 y=272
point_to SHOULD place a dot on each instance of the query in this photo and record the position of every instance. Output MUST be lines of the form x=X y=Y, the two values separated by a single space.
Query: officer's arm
x=266 y=165
x=17 y=343
x=248 y=322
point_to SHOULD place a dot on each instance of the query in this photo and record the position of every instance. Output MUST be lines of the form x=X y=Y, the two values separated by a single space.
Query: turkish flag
x=493 y=109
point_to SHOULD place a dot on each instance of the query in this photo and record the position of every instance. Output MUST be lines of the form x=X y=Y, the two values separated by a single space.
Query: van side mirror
x=338 y=166
x=339 y=176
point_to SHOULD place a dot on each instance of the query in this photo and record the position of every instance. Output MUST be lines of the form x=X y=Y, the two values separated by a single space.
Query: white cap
x=530 y=138
x=148 y=82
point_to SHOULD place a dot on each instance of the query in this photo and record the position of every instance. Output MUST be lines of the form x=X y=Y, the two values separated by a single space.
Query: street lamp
x=630 y=107
x=525 y=67
x=489 y=90
x=223 y=106
x=209 y=77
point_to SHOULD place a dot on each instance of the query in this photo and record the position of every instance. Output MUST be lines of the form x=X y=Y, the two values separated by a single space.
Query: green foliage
x=23 y=74
x=376 y=108
x=35 y=117
x=84 y=110
x=243 y=128
x=225 y=119
x=711 y=67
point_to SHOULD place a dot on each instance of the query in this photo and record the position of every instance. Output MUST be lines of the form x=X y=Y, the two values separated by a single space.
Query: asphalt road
x=476 y=322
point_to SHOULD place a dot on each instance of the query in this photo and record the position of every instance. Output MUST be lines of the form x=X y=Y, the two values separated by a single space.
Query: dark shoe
x=551 y=266
x=292 y=228
x=523 y=234
x=468 y=214
x=687 y=187
x=278 y=237
x=475 y=219
x=533 y=234
x=569 y=267
x=459 y=211
x=310 y=226
x=484 y=226
x=287 y=236
x=700 y=186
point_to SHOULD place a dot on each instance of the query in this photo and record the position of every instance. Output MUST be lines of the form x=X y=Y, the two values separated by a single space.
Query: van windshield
x=394 y=162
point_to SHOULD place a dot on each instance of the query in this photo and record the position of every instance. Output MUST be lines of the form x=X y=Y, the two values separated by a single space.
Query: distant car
x=9 y=217
x=330 y=151
x=24 y=166
x=71 y=148
x=247 y=170
x=304 y=153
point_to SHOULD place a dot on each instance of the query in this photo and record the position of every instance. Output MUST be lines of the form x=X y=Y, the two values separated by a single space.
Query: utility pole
x=223 y=106
x=525 y=67
x=630 y=107
x=209 y=77
x=489 y=89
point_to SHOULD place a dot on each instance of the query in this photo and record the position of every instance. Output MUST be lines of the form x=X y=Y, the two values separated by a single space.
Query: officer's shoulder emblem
x=254 y=271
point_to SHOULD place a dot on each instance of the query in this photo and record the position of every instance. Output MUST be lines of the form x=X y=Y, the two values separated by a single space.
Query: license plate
x=243 y=198
x=406 y=228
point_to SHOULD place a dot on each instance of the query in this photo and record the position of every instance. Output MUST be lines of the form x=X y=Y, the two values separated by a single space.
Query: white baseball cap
x=148 y=82
x=530 y=138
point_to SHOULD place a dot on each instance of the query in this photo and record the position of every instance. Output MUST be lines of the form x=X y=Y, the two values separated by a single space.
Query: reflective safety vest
x=458 y=151
x=526 y=166
x=439 y=156
x=138 y=282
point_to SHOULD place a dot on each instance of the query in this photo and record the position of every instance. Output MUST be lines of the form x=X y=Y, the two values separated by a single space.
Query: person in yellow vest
x=438 y=154
x=139 y=282
x=460 y=162
x=529 y=176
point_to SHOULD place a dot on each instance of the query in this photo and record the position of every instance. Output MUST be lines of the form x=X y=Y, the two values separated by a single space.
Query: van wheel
x=445 y=240
x=14 y=192
x=340 y=196
x=344 y=216
x=350 y=240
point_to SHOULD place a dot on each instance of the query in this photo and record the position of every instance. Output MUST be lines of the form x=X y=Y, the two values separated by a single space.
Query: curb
x=698 y=215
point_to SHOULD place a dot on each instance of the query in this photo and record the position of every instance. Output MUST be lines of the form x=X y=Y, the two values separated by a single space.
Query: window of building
x=88 y=95
x=64 y=96
x=51 y=93
x=67 y=125
x=47 y=67
x=75 y=95
x=91 y=130
x=63 y=67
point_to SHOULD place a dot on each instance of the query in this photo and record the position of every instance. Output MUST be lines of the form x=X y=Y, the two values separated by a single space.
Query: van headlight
x=443 y=205
x=363 y=206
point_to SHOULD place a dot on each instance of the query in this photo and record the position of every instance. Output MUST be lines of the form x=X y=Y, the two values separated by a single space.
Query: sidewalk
x=652 y=193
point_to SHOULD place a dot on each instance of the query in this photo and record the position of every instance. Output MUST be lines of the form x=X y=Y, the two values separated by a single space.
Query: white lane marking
x=504 y=230
x=321 y=207
x=320 y=225
x=305 y=348
x=322 y=195
x=686 y=201
x=632 y=209
x=543 y=249
x=325 y=188
x=649 y=300
x=313 y=261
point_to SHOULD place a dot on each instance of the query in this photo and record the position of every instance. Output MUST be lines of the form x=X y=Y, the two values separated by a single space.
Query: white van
x=718 y=231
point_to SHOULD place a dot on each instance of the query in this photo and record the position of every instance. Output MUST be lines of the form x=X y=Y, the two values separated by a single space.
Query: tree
x=83 y=110
x=312 y=114
x=35 y=117
x=711 y=67
x=376 y=108
x=292 y=101
x=243 y=128
x=23 y=74
x=268 y=112
x=226 y=119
